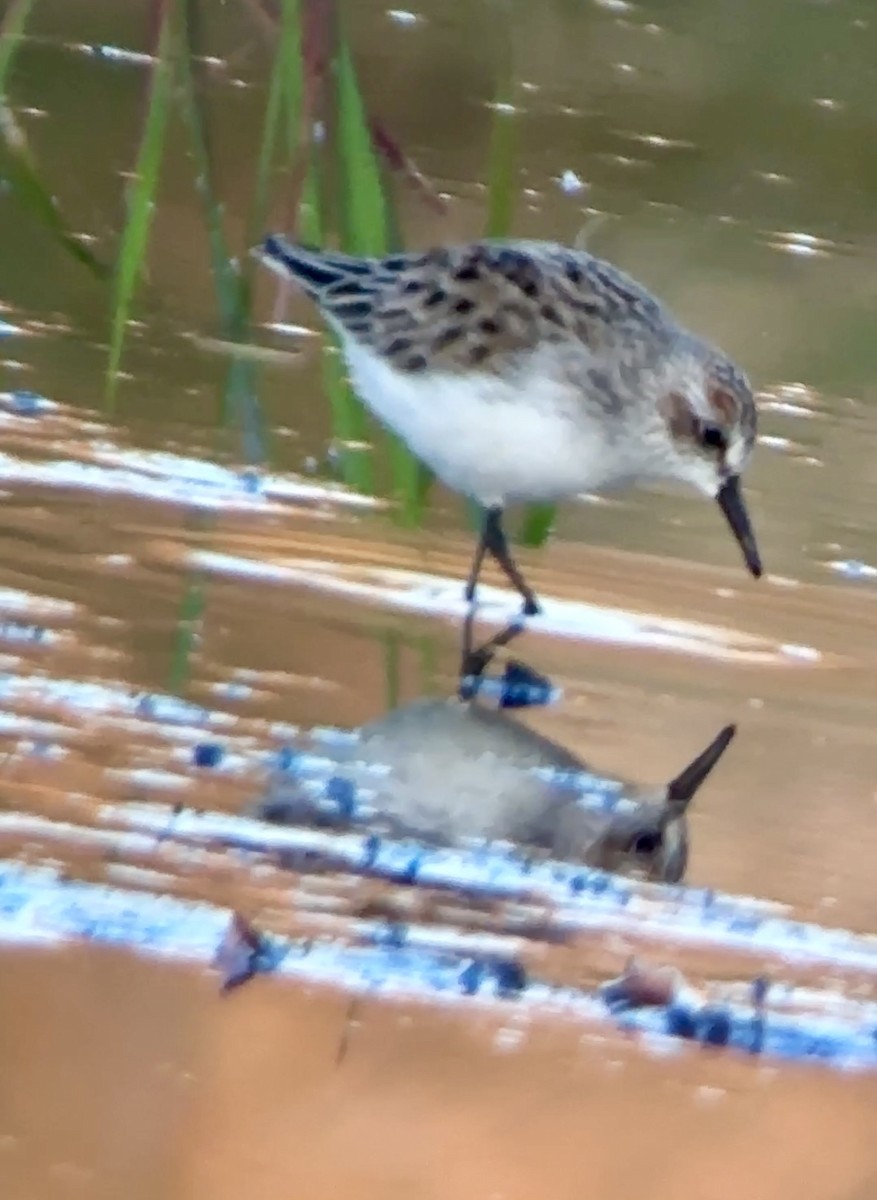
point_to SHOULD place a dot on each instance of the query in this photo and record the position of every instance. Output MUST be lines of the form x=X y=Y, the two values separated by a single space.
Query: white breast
x=532 y=437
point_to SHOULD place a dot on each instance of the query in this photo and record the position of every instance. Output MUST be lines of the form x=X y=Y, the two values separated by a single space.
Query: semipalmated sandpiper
x=526 y=371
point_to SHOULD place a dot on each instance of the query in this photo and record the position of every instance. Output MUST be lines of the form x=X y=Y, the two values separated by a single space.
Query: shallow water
x=729 y=146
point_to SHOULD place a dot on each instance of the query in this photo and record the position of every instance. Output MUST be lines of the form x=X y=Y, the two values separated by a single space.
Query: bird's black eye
x=646 y=843
x=713 y=437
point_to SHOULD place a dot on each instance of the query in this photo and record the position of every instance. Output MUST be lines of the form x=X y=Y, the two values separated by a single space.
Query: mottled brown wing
x=456 y=308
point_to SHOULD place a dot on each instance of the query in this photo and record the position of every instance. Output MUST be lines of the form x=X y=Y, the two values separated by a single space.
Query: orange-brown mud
x=718 y=138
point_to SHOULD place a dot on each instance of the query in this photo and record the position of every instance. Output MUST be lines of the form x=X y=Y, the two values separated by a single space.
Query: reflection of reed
x=355 y=575
x=390 y=575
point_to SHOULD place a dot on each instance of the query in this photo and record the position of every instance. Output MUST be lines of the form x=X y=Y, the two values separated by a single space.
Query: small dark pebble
x=207 y=754
x=26 y=404
x=680 y=1021
x=511 y=978
x=287 y=758
x=715 y=1026
x=745 y=923
x=522 y=687
x=300 y=859
x=282 y=811
x=343 y=792
x=240 y=953
x=371 y=850
x=472 y=976
x=409 y=875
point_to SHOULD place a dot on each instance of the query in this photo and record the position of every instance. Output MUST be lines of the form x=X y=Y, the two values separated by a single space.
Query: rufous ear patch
x=723 y=405
x=676 y=411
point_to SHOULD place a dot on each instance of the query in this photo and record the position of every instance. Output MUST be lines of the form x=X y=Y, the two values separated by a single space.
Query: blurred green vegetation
x=324 y=158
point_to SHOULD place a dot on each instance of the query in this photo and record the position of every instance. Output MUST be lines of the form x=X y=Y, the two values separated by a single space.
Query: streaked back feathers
x=453 y=308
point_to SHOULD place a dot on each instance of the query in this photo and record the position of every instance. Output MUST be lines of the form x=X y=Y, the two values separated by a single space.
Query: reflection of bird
x=452 y=771
x=526 y=371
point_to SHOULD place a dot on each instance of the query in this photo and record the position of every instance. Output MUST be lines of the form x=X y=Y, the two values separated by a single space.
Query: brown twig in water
x=237 y=956
x=349 y=1021
x=404 y=165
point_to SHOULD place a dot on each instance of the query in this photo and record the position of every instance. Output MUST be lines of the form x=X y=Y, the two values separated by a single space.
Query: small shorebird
x=522 y=371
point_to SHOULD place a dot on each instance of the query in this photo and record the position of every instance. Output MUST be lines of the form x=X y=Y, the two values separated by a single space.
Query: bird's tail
x=316 y=271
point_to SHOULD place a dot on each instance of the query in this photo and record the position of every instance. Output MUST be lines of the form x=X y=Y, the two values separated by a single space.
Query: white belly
x=489 y=439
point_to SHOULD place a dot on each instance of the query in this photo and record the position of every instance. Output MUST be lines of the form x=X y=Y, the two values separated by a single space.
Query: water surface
x=728 y=149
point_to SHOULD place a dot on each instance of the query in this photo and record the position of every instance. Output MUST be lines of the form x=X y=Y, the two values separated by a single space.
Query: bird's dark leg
x=477 y=562
x=475 y=662
x=493 y=542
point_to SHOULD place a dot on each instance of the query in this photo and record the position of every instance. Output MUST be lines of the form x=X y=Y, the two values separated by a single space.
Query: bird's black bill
x=732 y=504
x=681 y=789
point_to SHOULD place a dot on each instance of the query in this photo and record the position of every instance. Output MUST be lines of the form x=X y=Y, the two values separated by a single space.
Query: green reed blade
x=501 y=170
x=368 y=225
x=11 y=30
x=194 y=115
x=286 y=107
x=392 y=668
x=538 y=519
x=537 y=524
x=362 y=207
x=349 y=422
x=232 y=287
x=310 y=210
x=364 y=220
x=284 y=100
x=20 y=171
x=141 y=197
x=502 y=151
x=17 y=166
x=186 y=630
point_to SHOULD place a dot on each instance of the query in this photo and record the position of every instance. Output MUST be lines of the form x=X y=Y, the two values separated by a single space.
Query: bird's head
x=708 y=409
x=649 y=838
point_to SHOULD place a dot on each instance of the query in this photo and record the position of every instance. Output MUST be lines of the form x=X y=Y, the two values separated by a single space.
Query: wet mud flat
x=196 y=1004
x=243 y=1006
x=403 y=1010
x=181 y=1096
